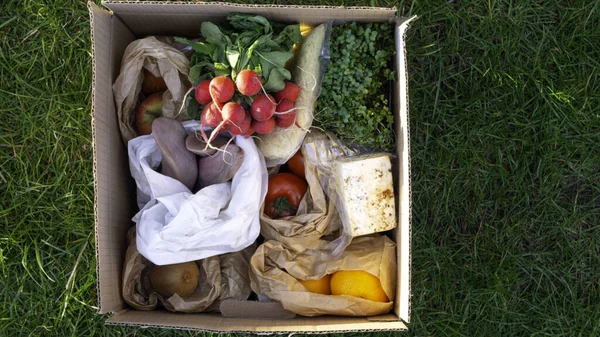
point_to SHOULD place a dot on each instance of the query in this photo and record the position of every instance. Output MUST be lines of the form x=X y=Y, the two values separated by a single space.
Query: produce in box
x=362 y=280
x=255 y=78
x=279 y=147
x=193 y=206
x=240 y=77
x=354 y=101
x=187 y=287
x=145 y=65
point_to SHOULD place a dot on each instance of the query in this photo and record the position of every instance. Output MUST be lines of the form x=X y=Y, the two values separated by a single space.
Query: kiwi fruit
x=181 y=279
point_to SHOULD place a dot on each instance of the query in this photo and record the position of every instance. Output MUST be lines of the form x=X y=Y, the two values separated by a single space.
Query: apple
x=152 y=84
x=149 y=110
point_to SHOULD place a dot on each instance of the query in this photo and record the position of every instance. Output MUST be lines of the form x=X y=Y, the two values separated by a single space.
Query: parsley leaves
x=353 y=102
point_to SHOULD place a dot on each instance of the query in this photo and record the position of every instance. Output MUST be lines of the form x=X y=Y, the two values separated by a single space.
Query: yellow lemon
x=320 y=286
x=358 y=283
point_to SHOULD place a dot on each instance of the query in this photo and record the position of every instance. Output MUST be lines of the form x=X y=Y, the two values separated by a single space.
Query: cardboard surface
x=113 y=189
x=115 y=192
x=217 y=323
x=254 y=309
x=403 y=233
x=185 y=18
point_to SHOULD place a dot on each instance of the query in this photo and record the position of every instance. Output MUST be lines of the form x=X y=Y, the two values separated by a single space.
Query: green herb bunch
x=353 y=102
x=246 y=41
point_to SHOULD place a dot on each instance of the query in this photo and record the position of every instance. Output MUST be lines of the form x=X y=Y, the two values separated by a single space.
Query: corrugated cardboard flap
x=403 y=233
x=254 y=309
x=112 y=183
x=184 y=18
x=405 y=193
x=216 y=323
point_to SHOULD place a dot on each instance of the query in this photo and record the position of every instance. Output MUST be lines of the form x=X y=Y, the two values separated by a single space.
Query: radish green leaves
x=245 y=42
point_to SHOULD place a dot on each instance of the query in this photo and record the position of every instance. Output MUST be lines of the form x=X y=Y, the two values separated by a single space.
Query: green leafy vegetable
x=288 y=36
x=197 y=70
x=199 y=47
x=276 y=79
x=248 y=22
x=213 y=34
x=353 y=101
x=233 y=57
x=273 y=69
x=192 y=107
x=246 y=42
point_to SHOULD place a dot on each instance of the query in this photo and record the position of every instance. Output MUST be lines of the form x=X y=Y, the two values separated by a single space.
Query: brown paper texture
x=161 y=59
x=316 y=217
x=275 y=271
x=222 y=277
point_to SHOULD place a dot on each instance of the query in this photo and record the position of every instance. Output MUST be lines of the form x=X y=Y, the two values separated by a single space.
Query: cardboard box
x=114 y=189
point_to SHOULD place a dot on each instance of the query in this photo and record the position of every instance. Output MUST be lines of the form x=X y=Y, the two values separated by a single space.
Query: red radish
x=248 y=82
x=233 y=113
x=264 y=126
x=285 y=120
x=290 y=91
x=263 y=107
x=285 y=105
x=202 y=92
x=221 y=89
x=285 y=115
x=211 y=115
x=242 y=128
x=250 y=130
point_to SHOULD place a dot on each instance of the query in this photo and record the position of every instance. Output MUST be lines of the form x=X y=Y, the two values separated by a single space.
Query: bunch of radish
x=265 y=112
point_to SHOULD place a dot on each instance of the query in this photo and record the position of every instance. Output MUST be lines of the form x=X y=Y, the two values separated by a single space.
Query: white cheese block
x=367 y=204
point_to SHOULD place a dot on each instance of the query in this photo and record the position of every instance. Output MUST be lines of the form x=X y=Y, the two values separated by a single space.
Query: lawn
x=505 y=141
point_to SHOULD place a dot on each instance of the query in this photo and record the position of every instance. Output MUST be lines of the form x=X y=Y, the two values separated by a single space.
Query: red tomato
x=296 y=164
x=284 y=195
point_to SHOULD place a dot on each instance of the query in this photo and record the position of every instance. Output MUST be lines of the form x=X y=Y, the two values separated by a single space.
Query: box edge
x=405 y=296
x=401 y=328
x=236 y=5
x=407 y=143
x=92 y=7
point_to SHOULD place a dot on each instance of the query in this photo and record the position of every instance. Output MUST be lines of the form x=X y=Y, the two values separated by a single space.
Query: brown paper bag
x=275 y=271
x=315 y=218
x=161 y=59
x=222 y=277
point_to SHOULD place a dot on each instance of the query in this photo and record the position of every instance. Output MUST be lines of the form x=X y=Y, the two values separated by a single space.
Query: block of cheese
x=367 y=204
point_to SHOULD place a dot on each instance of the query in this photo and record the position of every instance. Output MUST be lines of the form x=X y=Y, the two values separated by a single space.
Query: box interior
x=115 y=190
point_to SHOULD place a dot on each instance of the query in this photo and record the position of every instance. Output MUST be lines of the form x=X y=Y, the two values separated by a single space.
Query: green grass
x=505 y=134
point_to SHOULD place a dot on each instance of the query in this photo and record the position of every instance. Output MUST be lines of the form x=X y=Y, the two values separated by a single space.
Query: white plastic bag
x=175 y=226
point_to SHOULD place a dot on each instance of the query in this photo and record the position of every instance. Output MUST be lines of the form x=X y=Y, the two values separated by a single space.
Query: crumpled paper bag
x=161 y=59
x=316 y=217
x=275 y=271
x=223 y=277
x=175 y=226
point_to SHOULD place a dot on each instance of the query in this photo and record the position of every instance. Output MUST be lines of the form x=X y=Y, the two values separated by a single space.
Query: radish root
x=218 y=149
x=312 y=75
x=183 y=103
x=267 y=94
x=290 y=110
x=225 y=152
